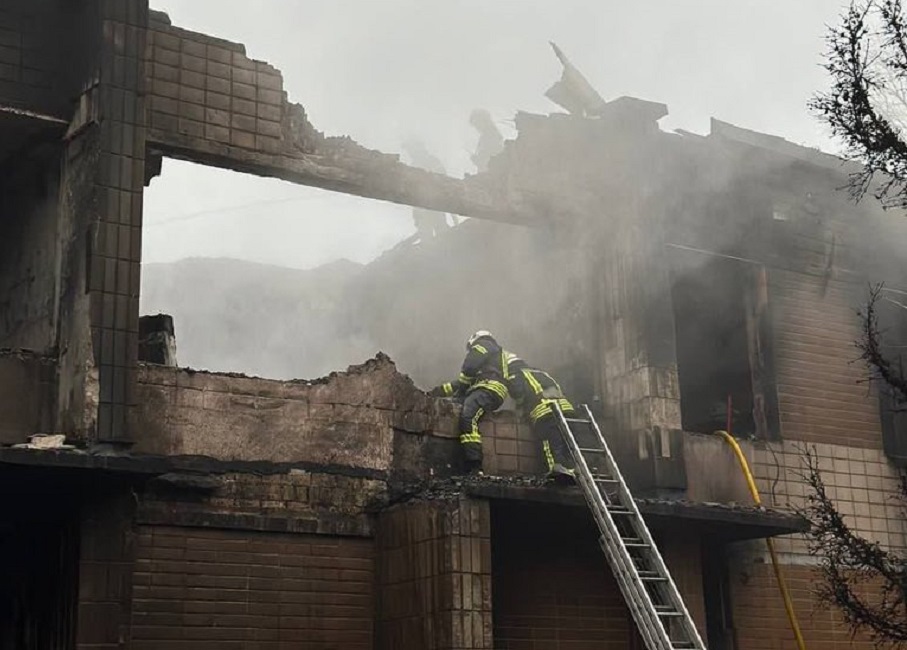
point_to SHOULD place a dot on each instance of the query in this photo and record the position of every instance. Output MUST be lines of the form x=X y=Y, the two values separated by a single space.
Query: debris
x=573 y=91
x=491 y=142
x=195 y=482
x=453 y=487
x=157 y=340
x=45 y=441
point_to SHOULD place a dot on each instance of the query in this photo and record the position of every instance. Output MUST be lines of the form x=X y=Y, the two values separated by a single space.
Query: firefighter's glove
x=437 y=391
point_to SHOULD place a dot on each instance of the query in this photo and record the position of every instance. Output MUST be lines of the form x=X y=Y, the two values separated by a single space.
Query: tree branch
x=848 y=107
x=870 y=346
x=849 y=564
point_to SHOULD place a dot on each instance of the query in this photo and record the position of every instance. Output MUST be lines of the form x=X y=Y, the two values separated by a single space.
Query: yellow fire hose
x=779 y=575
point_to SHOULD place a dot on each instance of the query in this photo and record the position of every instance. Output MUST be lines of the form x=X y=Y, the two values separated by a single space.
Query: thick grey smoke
x=415 y=71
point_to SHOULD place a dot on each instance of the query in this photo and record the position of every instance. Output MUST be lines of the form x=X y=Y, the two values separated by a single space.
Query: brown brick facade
x=553 y=589
x=202 y=588
x=760 y=620
x=105 y=572
x=821 y=394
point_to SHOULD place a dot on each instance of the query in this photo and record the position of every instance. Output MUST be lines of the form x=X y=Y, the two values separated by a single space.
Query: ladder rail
x=650 y=618
x=638 y=612
x=633 y=591
x=622 y=563
x=671 y=586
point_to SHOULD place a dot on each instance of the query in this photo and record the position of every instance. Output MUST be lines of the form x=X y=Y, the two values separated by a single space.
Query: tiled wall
x=204 y=588
x=208 y=89
x=115 y=269
x=434 y=576
x=861 y=480
x=760 y=620
x=32 y=46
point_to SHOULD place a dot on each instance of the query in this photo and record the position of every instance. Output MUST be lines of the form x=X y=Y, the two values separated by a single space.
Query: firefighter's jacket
x=533 y=390
x=484 y=367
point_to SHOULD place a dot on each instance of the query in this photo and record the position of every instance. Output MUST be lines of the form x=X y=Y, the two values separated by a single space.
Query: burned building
x=686 y=277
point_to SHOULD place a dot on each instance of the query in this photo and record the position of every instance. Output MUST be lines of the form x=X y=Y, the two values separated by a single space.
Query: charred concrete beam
x=724 y=521
x=210 y=103
x=149 y=465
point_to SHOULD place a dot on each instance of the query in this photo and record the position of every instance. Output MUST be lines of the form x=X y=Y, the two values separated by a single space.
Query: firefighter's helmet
x=478 y=335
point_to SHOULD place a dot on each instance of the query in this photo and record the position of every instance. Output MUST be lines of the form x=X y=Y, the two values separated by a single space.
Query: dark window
x=892 y=313
x=723 y=345
x=717 y=596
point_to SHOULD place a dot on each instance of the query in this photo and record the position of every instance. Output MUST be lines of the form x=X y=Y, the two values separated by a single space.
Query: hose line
x=769 y=542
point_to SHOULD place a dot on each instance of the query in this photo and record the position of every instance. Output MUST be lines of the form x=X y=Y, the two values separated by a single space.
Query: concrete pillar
x=639 y=380
x=434 y=576
x=101 y=232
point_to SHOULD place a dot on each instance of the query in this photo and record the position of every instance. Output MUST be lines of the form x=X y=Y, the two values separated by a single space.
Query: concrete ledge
x=725 y=522
x=154 y=465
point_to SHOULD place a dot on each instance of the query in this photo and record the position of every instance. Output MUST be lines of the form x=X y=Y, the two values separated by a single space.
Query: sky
x=381 y=71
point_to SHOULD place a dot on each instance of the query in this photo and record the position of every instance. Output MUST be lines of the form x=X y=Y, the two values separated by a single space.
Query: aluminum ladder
x=648 y=589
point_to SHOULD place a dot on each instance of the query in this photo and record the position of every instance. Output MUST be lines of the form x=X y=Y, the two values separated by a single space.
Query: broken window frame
x=759 y=339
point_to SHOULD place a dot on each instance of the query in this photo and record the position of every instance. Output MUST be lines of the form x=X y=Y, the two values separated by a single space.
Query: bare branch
x=871 y=348
x=849 y=107
x=853 y=567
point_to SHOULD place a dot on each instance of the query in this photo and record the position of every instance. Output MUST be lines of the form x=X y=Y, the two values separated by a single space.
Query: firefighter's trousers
x=554 y=449
x=477 y=403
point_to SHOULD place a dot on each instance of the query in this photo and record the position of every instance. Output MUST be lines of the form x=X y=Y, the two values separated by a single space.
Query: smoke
x=418 y=303
x=735 y=197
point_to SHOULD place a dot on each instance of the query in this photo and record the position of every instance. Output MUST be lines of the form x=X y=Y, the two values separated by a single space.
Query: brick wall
x=106 y=555
x=435 y=576
x=199 y=588
x=760 y=620
x=860 y=480
x=682 y=552
x=864 y=486
x=649 y=460
x=509 y=446
x=347 y=418
x=295 y=501
x=819 y=376
x=553 y=589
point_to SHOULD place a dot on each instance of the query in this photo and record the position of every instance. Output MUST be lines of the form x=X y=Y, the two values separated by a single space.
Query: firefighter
x=535 y=391
x=481 y=387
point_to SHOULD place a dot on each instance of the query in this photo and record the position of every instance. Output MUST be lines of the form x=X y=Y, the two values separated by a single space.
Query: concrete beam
x=209 y=103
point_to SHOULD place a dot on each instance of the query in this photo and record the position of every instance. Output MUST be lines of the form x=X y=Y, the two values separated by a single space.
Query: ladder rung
x=634 y=542
x=651 y=576
x=642 y=574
